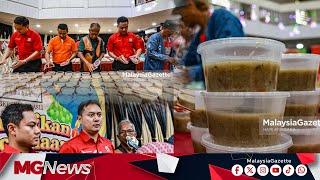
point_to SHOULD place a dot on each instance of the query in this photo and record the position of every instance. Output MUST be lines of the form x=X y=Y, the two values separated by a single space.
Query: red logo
x=39 y=167
x=28 y=167
x=275 y=170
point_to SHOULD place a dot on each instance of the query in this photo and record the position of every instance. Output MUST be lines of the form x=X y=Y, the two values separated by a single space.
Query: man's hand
x=185 y=78
x=18 y=64
x=65 y=63
x=172 y=60
x=134 y=59
x=49 y=64
x=122 y=59
x=3 y=61
x=90 y=66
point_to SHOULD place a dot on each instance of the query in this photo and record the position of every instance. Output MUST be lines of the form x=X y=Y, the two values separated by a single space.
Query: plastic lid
x=241 y=42
x=301 y=56
x=199 y=100
x=246 y=94
x=68 y=91
x=304 y=93
x=83 y=91
x=189 y=126
x=285 y=143
x=300 y=61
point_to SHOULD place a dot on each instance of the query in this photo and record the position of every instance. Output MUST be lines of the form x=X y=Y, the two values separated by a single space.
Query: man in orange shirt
x=124 y=47
x=28 y=43
x=63 y=50
x=89 y=140
x=21 y=127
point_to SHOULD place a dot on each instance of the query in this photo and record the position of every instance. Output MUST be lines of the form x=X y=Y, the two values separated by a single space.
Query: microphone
x=132 y=142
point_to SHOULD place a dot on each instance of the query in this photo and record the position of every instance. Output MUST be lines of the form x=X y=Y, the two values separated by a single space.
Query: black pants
x=118 y=66
x=66 y=68
x=31 y=66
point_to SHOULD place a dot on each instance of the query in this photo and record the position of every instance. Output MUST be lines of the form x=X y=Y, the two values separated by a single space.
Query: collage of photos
x=196 y=76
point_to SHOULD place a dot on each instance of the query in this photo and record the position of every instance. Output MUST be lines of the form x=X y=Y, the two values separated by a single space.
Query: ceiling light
x=154 y=24
x=76 y=25
x=38 y=25
x=281 y=26
x=109 y=30
x=115 y=24
x=50 y=31
x=300 y=46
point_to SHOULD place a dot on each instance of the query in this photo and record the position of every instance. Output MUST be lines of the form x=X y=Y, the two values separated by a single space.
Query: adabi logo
x=39 y=167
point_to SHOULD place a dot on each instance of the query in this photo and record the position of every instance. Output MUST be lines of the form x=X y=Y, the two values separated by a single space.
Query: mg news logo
x=39 y=167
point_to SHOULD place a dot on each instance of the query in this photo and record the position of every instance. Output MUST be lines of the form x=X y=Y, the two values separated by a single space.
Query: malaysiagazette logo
x=39 y=167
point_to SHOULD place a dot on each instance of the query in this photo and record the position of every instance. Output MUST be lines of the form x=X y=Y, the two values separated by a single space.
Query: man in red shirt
x=29 y=45
x=89 y=140
x=142 y=44
x=124 y=47
x=21 y=127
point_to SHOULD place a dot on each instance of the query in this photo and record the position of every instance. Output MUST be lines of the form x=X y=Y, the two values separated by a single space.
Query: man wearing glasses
x=127 y=136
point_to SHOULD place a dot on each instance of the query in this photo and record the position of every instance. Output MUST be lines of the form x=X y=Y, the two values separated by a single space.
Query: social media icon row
x=263 y=170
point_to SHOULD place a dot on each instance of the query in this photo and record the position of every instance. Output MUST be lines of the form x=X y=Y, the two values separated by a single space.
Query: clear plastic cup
x=187 y=99
x=241 y=64
x=196 y=135
x=298 y=72
x=234 y=118
x=302 y=104
x=198 y=116
x=281 y=147
x=304 y=140
x=181 y=119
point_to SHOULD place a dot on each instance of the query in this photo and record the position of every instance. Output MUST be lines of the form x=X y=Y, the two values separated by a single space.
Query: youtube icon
x=275 y=170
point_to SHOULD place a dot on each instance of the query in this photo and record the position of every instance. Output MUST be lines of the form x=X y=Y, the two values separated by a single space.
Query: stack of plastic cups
x=241 y=79
x=198 y=125
x=186 y=99
x=298 y=75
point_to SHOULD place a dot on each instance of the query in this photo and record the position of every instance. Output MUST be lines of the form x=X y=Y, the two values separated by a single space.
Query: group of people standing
x=124 y=47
